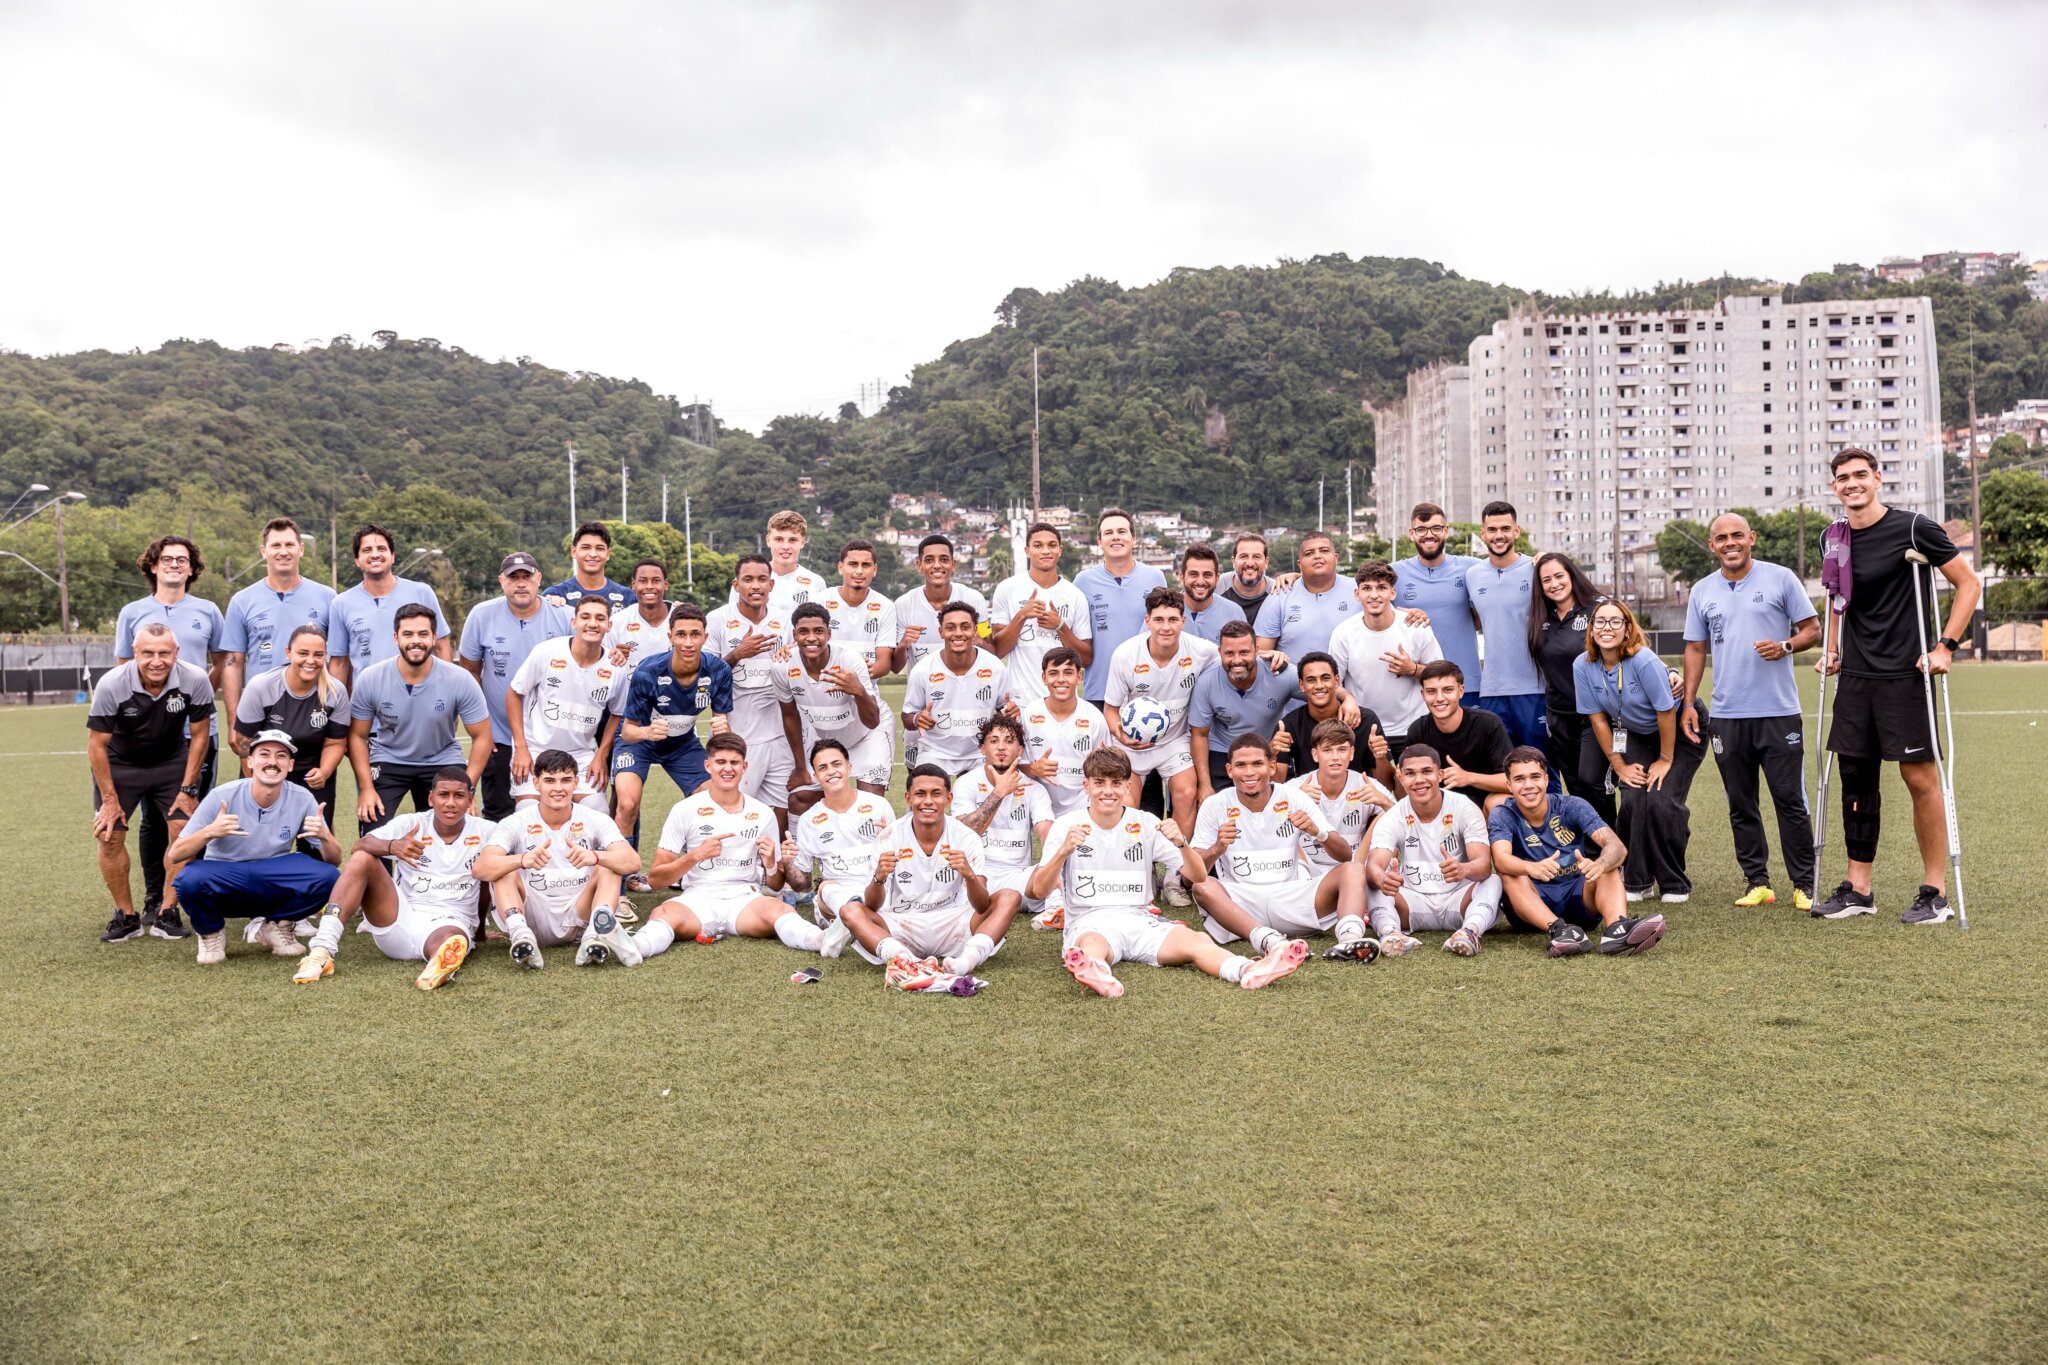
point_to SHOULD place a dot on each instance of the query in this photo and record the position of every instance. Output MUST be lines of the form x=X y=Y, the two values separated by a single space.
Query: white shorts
x=717 y=906
x=1013 y=879
x=405 y=938
x=1439 y=911
x=1288 y=907
x=873 y=756
x=768 y=768
x=831 y=895
x=553 y=921
x=927 y=933
x=1168 y=758
x=1132 y=935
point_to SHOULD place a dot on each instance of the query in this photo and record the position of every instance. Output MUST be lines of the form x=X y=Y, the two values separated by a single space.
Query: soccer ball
x=1144 y=720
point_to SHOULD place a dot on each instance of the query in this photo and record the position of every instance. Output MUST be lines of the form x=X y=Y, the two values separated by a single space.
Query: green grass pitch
x=1772 y=1138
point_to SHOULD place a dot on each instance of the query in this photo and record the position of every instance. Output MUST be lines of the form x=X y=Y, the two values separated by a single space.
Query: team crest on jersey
x=1134 y=853
x=174 y=703
x=319 y=716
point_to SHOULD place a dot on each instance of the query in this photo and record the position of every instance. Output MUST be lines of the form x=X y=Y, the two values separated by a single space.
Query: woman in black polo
x=1561 y=599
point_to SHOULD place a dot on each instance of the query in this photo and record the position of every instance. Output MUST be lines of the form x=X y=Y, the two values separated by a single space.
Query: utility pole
x=623 y=518
x=1034 y=434
x=1321 y=525
x=572 y=486
x=63 y=578
x=1350 y=514
x=664 y=502
x=689 y=552
x=333 y=558
x=1978 y=624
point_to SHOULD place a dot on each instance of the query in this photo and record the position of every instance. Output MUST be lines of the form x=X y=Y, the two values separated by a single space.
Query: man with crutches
x=1877 y=564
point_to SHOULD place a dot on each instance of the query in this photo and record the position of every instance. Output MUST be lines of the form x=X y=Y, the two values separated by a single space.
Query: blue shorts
x=290 y=886
x=1522 y=714
x=1565 y=898
x=684 y=766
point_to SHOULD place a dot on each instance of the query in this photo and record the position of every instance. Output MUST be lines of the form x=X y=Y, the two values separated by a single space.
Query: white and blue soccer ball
x=1144 y=720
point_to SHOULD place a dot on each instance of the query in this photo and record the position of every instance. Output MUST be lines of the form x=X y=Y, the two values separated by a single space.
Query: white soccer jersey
x=1068 y=741
x=1133 y=672
x=1026 y=673
x=694 y=820
x=913 y=609
x=788 y=591
x=557 y=881
x=636 y=633
x=828 y=712
x=866 y=627
x=441 y=884
x=960 y=702
x=1396 y=700
x=756 y=714
x=1423 y=846
x=925 y=883
x=565 y=702
x=1007 y=840
x=841 y=845
x=1268 y=848
x=1112 y=869
x=1349 y=812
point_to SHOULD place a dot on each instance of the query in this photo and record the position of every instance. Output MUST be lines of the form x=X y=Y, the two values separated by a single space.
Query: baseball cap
x=519 y=562
x=274 y=737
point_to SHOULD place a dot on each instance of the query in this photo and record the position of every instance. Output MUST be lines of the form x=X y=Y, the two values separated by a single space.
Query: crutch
x=1944 y=756
x=1823 y=760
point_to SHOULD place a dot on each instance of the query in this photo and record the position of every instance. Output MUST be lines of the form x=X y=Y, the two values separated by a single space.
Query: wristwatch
x=1787 y=647
x=1951 y=645
x=192 y=790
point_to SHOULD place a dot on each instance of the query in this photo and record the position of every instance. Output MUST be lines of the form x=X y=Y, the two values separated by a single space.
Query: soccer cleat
x=638 y=885
x=628 y=916
x=1801 y=901
x=1174 y=894
x=1055 y=918
x=319 y=965
x=1846 y=903
x=526 y=951
x=1567 y=939
x=907 y=973
x=1353 y=950
x=213 y=948
x=837 y=936
x=1282 y=959
x=445 y=963
x=1632 y=935
x=1398 y=944
x=590 y=951
x=1929 y=907
x=610 y=932
x=1675 y=897
x=277 y=936
x=1092 y=973
x=165 y=924
x=1462 y=942
x=1757 y=895
x=122 y=927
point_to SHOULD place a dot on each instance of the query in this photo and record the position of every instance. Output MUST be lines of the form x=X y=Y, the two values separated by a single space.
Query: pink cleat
x=1280 y=960
x=1092 y=973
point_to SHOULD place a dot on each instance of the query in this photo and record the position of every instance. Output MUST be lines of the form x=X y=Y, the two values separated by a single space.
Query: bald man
x=1752 y=617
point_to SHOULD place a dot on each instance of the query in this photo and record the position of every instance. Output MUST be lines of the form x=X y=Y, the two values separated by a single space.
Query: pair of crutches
x=1944 y=751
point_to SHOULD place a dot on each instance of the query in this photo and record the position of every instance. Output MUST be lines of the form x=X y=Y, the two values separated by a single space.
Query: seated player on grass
x=826 y=693
x=1539 y=851
x=1416 y=876
x=720 y=843
x=831 y=848
x=927 y=910
x=425 y=908
x=238 y=854
x=1100 y=860
x=556 y=868
x=1060 y=731
x=1255 y=838
x=1006 y=808
x=1350 y=801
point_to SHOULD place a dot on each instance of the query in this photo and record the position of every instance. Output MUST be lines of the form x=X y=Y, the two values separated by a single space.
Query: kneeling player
x=1006 y=809
x=831 y=848
x=1256 y=838
x=927 y=908
x=1100 y=858
x=720 y=843
x=1539 y=841
x=1416 y=878
x=555 y=870
x=426 y=909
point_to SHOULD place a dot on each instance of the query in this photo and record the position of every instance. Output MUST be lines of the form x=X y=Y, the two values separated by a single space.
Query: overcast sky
x=768 y=203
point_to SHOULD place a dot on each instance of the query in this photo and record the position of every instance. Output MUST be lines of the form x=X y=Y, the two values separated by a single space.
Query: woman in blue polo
x=1624 y=691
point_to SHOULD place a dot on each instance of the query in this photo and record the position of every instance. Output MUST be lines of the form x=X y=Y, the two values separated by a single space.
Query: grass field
x=1772 y=1138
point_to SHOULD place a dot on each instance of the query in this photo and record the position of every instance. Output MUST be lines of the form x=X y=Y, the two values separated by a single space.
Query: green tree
x=2016 y=521
x=469 y=533
x=1682 y=551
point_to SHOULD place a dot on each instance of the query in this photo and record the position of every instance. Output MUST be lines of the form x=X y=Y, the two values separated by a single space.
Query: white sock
x=1263 y=939
x=1481 y=916
x=1349 y=928
x=798 y=932
x=1386 y=920
x=328 y=935
x=654 y=937
x=889 y=949
x=1233 y=967
x=514 y=922
x=979 y=946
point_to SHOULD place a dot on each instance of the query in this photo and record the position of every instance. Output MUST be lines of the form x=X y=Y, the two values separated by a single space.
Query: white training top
x=1112 y=869
x=633 y=631
x=1133 y=672
x=526 y=829
x=1348 y=812
x=1396 y=700
x=925 y=883
x=1007 y=839
x=1025 y=664
x=696 y=819
x=756 y=714
x=1068 y=741
x=828 y=713
x=842 y=845
x=441 y=884
x=1268 y=848
x=565 y=704
x=960 y=702
x=866 y=627
x=912 y=609
x=1421 y=847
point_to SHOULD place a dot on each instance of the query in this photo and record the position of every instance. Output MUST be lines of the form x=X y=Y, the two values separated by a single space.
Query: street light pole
x=63 y=578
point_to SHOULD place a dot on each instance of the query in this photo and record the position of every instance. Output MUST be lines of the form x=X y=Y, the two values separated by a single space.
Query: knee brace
x=1860 y=807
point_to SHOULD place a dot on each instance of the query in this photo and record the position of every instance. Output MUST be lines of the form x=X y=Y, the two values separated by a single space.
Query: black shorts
x=133 y=786
x=1884 y=718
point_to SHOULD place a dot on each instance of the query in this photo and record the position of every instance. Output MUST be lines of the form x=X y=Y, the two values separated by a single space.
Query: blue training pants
x=290 y=886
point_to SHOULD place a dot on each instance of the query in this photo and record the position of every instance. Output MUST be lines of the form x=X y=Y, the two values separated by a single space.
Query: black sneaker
x=1846 y=903
x=122 y=927
x=1632 y=935
x=1929 y=907
x=1567 y=939
x=165 y=924
x=1354 y=950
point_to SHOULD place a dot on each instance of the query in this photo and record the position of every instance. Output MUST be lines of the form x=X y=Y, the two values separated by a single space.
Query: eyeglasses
x=1610 y=624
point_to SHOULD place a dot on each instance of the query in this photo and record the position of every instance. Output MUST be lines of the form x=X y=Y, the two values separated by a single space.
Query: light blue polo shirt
x=1501 y=597
x=359 y=626
x=1300 y=621
x=1208 y=625
x=1116 y=613
x=1632 y=694
x=1226 y=713
x=1439 y=589
x=1767 y=603
x=261 y=620
x=265 y=833
x=413 y=724
x=195 y=621
x=500 y=641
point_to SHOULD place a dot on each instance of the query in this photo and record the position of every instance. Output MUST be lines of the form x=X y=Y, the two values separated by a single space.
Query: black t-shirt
x=1563 y=644
x=1878 y=636
x=148 y=731
x=267 y=704
x=1479 y=745
x=1249 y=604
x=1301 y=757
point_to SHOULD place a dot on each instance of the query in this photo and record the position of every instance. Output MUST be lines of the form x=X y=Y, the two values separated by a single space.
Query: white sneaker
x=277 y=936
x=614 y=936
x=1174 y=894
x=526 y=951
x=1635 y=896
x=304 y=928
x=837 y=936
x=1675 y=897
x=213 y=948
